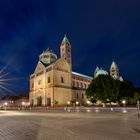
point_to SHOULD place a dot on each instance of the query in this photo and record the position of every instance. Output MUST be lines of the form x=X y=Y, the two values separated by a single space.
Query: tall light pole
x=6 y=104
x=138 y=108
x=124 y=104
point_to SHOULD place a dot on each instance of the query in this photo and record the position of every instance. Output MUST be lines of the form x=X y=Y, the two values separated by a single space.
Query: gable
x=39 y=67
x=62 y=64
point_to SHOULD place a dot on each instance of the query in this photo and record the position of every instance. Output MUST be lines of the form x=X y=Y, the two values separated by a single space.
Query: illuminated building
x=53 y=81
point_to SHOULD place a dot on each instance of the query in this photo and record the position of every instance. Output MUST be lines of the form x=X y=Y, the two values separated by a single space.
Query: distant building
x=12 y=101
x=53 y=81
x=114 y=72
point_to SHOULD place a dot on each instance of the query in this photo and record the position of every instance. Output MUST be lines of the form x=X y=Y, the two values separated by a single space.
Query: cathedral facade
x=53 y=81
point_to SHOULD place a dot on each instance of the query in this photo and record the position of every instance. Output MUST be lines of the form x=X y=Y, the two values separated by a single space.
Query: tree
x=127 y=91
x=106 y=89
x=136 y=95
x=103 y=88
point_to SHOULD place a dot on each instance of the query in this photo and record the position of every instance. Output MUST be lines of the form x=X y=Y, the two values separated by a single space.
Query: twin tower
x=114 y=72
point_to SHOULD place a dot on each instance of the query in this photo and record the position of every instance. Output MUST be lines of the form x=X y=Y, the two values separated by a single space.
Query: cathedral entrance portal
x=48 y=101
x=39 y=101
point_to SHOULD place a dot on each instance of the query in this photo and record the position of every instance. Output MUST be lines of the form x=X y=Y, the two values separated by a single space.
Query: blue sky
x=100 y=31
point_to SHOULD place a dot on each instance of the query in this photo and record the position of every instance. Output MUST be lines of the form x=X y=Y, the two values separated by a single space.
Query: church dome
x=48 y=57
x=101 y=72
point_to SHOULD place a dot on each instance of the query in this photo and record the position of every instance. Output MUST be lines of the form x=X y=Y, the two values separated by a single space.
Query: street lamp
x=88 y=102
x=23 y=103
x=68 y=102
x=123 y=102
x=77 y=103
x=5 y=104
x=138 y=108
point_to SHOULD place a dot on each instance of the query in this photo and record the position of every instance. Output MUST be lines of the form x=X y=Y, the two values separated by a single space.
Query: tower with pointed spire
x=53 y=80
x=114 y=71
x=65 y=50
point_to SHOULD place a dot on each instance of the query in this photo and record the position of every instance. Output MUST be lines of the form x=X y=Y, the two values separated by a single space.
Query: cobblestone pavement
x=26 y=125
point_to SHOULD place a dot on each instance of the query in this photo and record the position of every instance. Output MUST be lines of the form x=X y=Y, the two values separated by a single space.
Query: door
x=48 y=101
x=39 y=101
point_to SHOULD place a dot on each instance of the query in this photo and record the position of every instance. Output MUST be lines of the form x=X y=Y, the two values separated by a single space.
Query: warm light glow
x=68 y=102
x=6 y=103
x=77 y=102
x=88 y=102
x=23 y=103
x=123 y=101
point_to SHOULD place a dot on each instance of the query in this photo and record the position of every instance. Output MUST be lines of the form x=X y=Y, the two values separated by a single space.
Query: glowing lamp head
x=88 y=102
x=23 y=103
x=6 y=103
x=68 y=102
x=77 y=102
x=123 y=101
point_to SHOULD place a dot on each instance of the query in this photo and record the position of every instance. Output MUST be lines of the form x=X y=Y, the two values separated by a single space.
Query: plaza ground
x=63 y=125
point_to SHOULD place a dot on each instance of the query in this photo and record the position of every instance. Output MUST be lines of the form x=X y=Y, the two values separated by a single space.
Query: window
x=68 y=50
x=73 y=84
x=77 y=84
x=49 y=80
x=82 y=96
x=81 y=85
x=85 y=86
x=77 y=96
x=32 y=85
x=62 y=80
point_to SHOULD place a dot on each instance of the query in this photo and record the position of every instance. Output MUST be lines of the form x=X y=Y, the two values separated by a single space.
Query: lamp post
x=124 y=102
x=77 y=103
x=88 y=102
x=138 y=108
x=5 y=104
x=68 y=103
x=23 y=104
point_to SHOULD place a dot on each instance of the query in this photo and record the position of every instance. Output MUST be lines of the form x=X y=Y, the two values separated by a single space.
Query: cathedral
x=53 y=81
x=114 y=72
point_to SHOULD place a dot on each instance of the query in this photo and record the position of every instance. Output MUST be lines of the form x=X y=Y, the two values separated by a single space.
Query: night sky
x=100 y=31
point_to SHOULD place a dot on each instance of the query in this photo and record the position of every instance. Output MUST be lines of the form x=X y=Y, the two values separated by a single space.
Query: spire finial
x=65 y=39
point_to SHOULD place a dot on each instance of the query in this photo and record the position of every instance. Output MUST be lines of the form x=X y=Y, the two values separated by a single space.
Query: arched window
x=82 y=96
x=73 y=84
x=49 y=80
x=32 y=86
x=77 y=96
x=77 y=84
x=85 y=86
x=81 y=85
x=62 y=80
